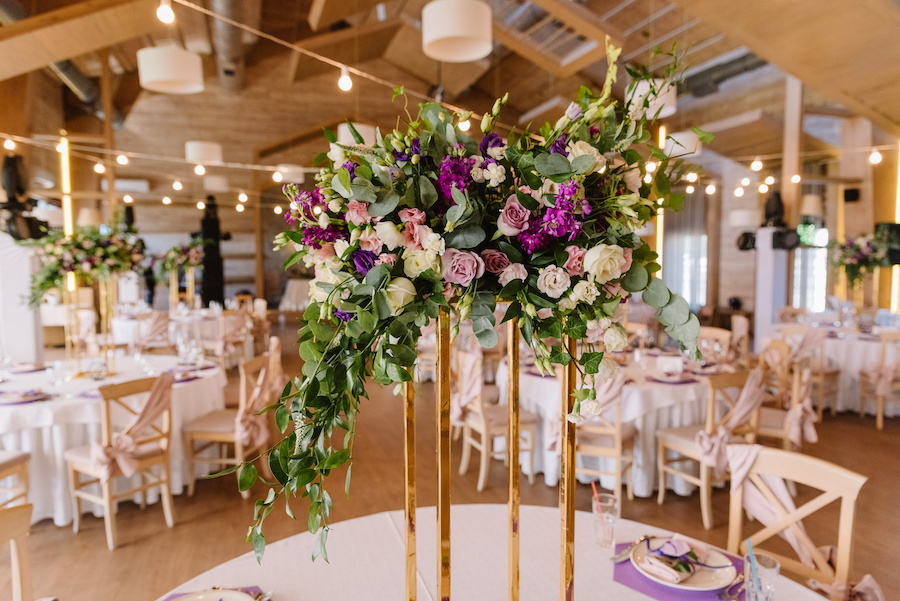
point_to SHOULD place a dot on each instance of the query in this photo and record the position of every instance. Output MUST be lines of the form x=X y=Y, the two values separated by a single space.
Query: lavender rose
x=553 y=281
x=461 y=266
x=513 y=220
x=494 y=260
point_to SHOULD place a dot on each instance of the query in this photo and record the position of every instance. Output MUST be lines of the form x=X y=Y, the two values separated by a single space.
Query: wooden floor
x=210 y=527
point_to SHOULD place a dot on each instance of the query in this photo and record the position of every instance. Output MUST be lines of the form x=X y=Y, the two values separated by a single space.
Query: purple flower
x=533 y=238
x=415 y=147
x=343 y=315
x=400 y=156
x=560 y=223
x=454 y=174
x=559 y=145
x=351 y=167
x=593 y=131
x=489 y=141
x=573 y=111
x=314 y=236
x=363 y=260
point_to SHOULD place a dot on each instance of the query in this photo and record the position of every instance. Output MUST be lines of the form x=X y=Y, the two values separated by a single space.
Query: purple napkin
x=625 y=573
x=250 y=590
x=188 y=379
x=684 y=381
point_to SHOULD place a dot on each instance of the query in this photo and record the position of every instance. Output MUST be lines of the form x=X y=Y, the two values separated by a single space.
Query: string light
x=345 y=83
x=99 y=168
x=201 y=205
x=239 y=208
x=738 y=192
x=691 y=177
x=164 y=12
x=745 y=182
x=650 y=167
x=199 y=169
x=875 y=157
x=795 y=179
x=648 y=178
x=662 y=136
x=166 y=200
x=242 y=196
x=464 y=125
x=127 y=199
x=756 y=165
x=770 y=180
x=763 y=188
x=277 y=176
x=711 y=189
x=277 y=210
x=176 y=185
x=689 y=189
x=10 y=145
x=122 y=159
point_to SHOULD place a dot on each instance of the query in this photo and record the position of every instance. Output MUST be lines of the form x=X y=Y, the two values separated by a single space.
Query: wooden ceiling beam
x=72 y=31
x=295 y=138
x=582 y=20
x=351 y=45
x=523 y=48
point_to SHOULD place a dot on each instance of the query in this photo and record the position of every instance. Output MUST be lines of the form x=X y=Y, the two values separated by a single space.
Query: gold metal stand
x=442 y=398
x=409 y=509
x=189 y=286
x=72 y=324
x=567 y=480
x=512 y=358
x=173 y=289
x=108 y=348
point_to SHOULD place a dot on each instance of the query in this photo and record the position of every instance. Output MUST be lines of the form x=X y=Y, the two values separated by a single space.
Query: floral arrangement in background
x=181 y=255
x=427 y=219
x=858 y=256
x=89 y=253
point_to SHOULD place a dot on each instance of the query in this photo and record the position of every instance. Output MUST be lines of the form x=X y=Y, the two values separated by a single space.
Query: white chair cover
x=122 y=453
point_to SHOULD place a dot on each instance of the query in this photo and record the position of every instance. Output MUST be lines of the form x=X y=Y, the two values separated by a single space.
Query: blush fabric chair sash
x=122 y=453
x=235 y=326
x=712 y=446
x=866 y=590
x=249 y=428
x=277 y=377
x=159 y=327
x=609 y=394
x=883 y=376
x=812 y=340
x=801 y=417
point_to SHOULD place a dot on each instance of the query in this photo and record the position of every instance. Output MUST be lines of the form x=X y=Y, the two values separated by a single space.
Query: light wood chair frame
x=637 y=332
x=825 y=378
x=789 y=379
x=867 y=384
x=15 y=526
x=157 y=434
x=721 y=335
x=248 y=371
x=741 y=347
x=721 y=386
x=621 y=451
x=211 y=347
x=19 y=491
x=835 y=482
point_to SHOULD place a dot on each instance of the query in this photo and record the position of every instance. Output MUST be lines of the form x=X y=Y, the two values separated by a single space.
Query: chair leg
x=661 y=467
x=143 y=493
x=879 y=412
x=466 y=450
x=629 y=488
x=486 y=449
x=706 y=496
x=189 y=459
x=74 y=482
x=532 y=432
x=109 y=515
x=862 y=399
x=166 y=493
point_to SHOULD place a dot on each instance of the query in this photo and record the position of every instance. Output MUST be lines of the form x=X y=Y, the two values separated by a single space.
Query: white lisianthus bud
x=530 y=310
x=575 y=418
x=340 y=247
x=324 y=221
x=335 y=204
x=354 y=235
x=486 y=123
x=590 y=407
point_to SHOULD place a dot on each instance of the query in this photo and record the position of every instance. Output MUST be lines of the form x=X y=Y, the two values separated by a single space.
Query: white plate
x=221 y=595
x=704 y=579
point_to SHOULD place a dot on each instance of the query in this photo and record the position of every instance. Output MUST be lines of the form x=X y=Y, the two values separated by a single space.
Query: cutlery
x=626 y=552
x=735 y=595
x=737 y=585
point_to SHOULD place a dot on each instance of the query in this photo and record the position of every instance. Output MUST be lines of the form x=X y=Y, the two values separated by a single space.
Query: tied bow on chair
x=713 y=446
x=866 y=590
x=801 y=417
x=234 y=333
x=883 y=376
x=812 y=340
x=250 y=428
x=159 y=327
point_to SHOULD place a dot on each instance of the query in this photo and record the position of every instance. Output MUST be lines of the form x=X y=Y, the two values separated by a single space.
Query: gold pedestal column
x=173 y=290
x=512 y=357
x=442 y=398
x=72 y=324
x=567 y=480
x=409 y=509
x=108 y=347
x=190 y=286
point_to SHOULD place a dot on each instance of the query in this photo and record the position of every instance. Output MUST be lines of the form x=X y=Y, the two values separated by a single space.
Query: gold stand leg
x=443 y=454
x=567 y=482
x=409 y=456
x=512 y=355
x=173 y=289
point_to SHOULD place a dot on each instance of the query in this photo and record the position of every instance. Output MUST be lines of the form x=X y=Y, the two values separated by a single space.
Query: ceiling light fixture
x=99 y=168
x=10 y=145
x=738 y=192
x=756 y=165
x=745 y=181
x=770 y=180
x=711 y=189
x=201 y=205
x=763 y=188
x=875 y=157
x=277 y=176
x=689 y=189
x=127 y=199
x=239 y=208
x=795 y=179
x=464 y=125
x=345 y=83
x=164 y=12
x=170 y=69
x=122 y=159
x=457 y=31
x=278 y=210
x=176 y=185
x=691 y=177
x=199 y=169
x=650 y=167
x=166 y=200
x=648 y=178
x=242 y=196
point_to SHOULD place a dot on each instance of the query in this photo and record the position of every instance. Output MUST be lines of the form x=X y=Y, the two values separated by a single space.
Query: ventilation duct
x=707 y=81
x=228 y=43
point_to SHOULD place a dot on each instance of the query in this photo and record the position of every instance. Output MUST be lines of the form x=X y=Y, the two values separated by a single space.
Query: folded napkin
x=253 y=591
x=674 y=559
x=21 y=397
x=25 y=368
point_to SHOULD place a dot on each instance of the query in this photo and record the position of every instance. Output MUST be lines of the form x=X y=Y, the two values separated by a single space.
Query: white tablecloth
x=47 y=429
x=200 y=326
x=296 y=296
x=647 y=405
x=368 y=560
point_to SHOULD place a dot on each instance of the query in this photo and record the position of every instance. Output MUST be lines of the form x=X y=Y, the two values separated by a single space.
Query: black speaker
x=129 y=215
x=851 y=194
x=786 y=239
x=212 y=288
x=889 y=234
x=746 y=241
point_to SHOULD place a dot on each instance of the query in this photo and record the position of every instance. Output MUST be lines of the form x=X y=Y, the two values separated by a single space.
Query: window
x=811 y=273
x=685 y=250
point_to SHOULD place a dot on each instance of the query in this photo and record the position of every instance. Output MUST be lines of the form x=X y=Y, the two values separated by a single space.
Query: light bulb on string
x=345 y=83
x=127 y=199
x=239 y=208
x=176 y=185
x=756 y=165
x=770 y=180
x=201 y=205
x=648 y=178
x=875 y=157
x=650 y=167
x=738 y=192
x=199 y=169
x=689 y=189
x=464 y=125
x=242 y=196
x=9 y=144
x=711 y=189
x=166 y=200
x=745 y=182
x=277 y=176
x=691 y=177
x=763 y=188
x=277 y=210
x=164 y=12
x=795 y=179
x=122 y=159
x=99 y=168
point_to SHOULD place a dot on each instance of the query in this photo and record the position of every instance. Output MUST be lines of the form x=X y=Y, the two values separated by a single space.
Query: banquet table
x=71 y=418
x=367 y=561
x=198 y=325
x=646 y=404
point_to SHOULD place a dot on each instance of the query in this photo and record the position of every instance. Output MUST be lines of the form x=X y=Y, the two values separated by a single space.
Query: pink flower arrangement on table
x=430 y=218
x=858 y=256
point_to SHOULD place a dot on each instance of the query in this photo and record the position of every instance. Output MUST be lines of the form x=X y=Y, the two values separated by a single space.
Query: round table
x=46 y=429
x=367 y=560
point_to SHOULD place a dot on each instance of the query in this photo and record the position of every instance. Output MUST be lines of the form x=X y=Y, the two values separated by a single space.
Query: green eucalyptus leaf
x=469 y=236
x=552 y=164
x=675 y=313
x=656 y=294
x=636 y=279
x=427 y=191
x=384 y=205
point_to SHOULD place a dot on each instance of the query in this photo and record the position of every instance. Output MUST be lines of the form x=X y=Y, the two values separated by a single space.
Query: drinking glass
x=605 y=508
x=56 y=373
x=767 y=568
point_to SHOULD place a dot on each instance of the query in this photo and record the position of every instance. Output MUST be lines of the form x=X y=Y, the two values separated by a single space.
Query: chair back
x=888 y=340
x=758 y=483
x=150 y=415
x=637 y=332
x=157 y=329
x=790 y=314
x=726 y=388
x=775 y=361
x=740 y=339
x=15 y=525
x=249 y=372
x=260 y=308
x=277 y=377
x=608 y=422
x=717 y=340
x=470 y=385
x=244 y=301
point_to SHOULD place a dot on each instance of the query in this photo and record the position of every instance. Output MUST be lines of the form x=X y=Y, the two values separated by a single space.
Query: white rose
x=604 y=262
x=615 y=338
x=400 y=292
x=553 y=281
x=416 y=262
x=317 y=293
x=336 y=154
x=585 y=291
x=496 y=174
x=604 y=323
x=497 y=152
x=335 y=204
x=389 y=235
x=582 y=148
x=340 y=247
x=590 y=407
x=608 y=369
x=566 y=304
x=432 y=242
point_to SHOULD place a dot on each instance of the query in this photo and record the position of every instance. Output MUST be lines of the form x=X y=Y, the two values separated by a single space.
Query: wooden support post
x=793 y=132
x=109 y=139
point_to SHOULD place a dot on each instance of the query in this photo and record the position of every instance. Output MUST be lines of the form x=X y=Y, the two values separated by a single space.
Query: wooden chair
x=740 y=342
x=682 y=440
x=487 y=420
x=15 y=525
x=637 y=333
x=836 y=484
x=218 y=429
x=868 y=380
x=712 y=338
x=231 y=339
x=605 y=437
x=244 y=301
x=825 y=377
x=790 y=314
x=14 y=464
x=785 y=382
x=151 y=442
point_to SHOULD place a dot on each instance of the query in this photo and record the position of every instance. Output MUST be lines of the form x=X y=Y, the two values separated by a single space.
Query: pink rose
x=613 y=289
x=553 y=281
x=449 y=291
x=357 y=213
x=461 y=266
x=514 y=271
x=494 y=260
x=575 y=263
x=627 y=252
x=595 y=335
x=369 y=240
x=513 y=219
x=412 y=234
x=386 y=259
x=414 y=216
x=544 y=313
x=325 y=252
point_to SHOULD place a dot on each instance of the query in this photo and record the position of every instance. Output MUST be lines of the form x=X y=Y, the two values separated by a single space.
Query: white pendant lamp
x=456 y=31
x=170 y=70
x=217 y=184
x=345 y=136
x=683 y=143
x=811 y=205
x=203 y=152
x=666 y=102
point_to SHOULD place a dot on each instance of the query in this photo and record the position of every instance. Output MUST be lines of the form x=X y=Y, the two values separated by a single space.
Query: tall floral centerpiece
x=860 y=257
x=429 y=218
x=182 y=256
